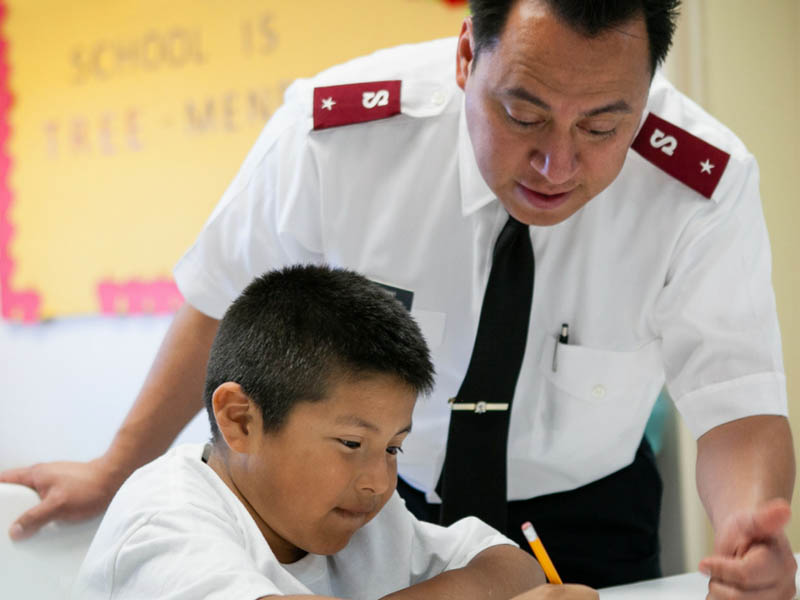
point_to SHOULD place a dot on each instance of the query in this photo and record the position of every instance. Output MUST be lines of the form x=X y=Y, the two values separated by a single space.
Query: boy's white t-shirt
x=176 y=531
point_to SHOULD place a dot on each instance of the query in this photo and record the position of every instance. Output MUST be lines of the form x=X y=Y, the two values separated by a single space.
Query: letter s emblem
x=666 y=143
x=373 y=99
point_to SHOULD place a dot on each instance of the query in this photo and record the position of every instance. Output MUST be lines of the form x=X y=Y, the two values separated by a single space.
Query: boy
x=310 y=388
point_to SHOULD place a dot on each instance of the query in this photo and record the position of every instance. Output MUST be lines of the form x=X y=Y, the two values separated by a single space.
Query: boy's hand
x=569 y=591
x=69 y=491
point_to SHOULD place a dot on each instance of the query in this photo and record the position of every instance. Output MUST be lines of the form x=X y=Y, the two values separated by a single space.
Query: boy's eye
x=351 y=444
x=394 y=450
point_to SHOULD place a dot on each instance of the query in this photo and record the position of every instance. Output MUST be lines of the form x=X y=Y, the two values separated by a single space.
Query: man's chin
x=541 y=217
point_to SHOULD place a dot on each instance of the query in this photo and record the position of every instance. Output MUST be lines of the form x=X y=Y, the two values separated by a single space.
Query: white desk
x=44 y=566
x=677 y=587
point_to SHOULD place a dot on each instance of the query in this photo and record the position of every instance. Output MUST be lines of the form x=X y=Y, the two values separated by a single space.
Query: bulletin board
x=121 y=124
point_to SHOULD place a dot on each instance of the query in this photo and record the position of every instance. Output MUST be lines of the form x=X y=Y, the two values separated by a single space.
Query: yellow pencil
x=540 y=553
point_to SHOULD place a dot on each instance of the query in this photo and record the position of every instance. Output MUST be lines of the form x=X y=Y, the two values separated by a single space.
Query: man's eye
x=393 y=450
x=351 y=444
x=600 y=131
x=520 y=122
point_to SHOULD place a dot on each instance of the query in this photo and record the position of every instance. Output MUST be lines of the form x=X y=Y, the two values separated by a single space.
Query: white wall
x=740 y=60
x=66 y=385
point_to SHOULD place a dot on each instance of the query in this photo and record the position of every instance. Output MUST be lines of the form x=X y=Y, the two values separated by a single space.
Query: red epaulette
x=337 y=105
x=686 y=157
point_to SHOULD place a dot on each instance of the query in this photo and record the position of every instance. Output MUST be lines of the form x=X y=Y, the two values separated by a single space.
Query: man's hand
x=69 y=491
x=561 y=592
x=752 y=557
x=171 y=395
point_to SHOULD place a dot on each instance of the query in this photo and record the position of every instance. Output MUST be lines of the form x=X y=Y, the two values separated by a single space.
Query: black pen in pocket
x=562 y=339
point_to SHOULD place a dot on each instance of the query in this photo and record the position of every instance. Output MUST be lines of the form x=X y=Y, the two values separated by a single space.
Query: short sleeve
x=437 y=549
x=176 y=555
x=717 y=313
x=267 y=218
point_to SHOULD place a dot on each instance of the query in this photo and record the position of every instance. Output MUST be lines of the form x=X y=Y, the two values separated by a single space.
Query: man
x=663 y=276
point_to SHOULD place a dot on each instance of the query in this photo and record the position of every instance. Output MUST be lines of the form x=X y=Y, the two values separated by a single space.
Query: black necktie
x=473 y=480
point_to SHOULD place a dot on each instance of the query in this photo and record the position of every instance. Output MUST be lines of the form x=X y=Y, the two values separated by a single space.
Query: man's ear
x=464 y=53
x=233 y=412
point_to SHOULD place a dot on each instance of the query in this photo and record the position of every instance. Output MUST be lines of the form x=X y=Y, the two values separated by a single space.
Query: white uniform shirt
x=176 y=531
x=656 y=282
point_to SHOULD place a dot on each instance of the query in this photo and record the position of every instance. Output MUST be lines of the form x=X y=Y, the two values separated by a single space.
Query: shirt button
x=599 y=391
x=438 y=98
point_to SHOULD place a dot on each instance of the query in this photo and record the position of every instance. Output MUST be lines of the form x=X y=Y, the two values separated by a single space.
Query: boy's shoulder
x=173 y=528
x=171 y=491
x=175 y=480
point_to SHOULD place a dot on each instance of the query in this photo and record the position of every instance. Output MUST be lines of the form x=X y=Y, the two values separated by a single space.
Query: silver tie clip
x=477 y=407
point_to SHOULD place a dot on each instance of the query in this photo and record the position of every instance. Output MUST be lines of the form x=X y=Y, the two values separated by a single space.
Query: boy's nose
x=377 y=477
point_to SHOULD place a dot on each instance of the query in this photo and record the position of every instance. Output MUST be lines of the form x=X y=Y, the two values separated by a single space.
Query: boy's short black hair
x=589 y=17
x=294 y=332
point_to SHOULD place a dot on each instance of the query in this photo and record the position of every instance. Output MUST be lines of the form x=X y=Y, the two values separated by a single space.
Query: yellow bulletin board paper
x=123 y=122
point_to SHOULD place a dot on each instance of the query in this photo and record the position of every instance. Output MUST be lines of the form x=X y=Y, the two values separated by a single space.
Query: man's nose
x=555 y=156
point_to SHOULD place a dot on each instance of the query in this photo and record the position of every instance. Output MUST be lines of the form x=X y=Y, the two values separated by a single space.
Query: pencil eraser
x=528 y=531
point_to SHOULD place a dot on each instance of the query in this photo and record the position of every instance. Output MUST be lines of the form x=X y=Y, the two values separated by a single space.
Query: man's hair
x=294 y=333
x=589 y=17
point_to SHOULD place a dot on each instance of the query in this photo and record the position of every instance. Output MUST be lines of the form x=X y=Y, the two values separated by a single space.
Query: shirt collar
x=475 y=194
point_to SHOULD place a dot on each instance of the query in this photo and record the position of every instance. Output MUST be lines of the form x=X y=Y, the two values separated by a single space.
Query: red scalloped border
x=133 y=297
x=17 y=305
x=138 y=297
x=160 y=296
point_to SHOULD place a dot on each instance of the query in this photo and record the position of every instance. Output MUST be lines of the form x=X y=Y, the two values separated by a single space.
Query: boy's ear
x=233 y=412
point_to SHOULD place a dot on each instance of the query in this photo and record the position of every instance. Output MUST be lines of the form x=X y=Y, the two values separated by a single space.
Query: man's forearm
x=497 y=572
x=744 y=463
x=171 y=395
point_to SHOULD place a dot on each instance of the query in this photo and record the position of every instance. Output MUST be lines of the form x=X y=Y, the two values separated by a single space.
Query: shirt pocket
x=598 y=376
x=595 y=405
